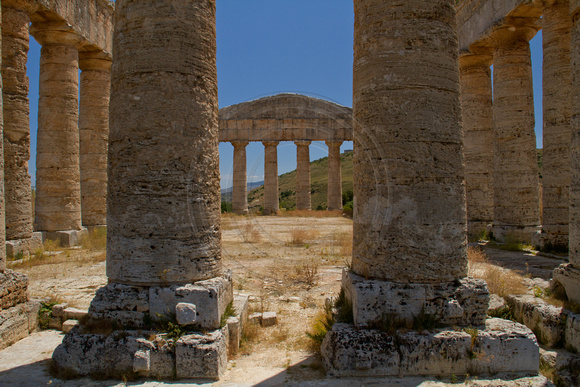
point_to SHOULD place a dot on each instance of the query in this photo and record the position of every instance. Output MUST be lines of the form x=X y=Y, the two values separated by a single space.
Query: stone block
x=13 y=287
x=269 y=319
x=68 y=238
x=211 y=298
x=568 y=277
x=502 y=347
x=241 y=302
x=496 y=304
x=185 y=313
x=18 y=322
x=126 y=305
x=255 y=318
x=68 y=325
x=235 y=334
x=545 y=320
x=142 y=361
x=28 y=245
x=572 y=334
x=462 y=303
x=55 y=323
x=74 y=314
x=201 y=356
x=162 y=361
x=58 y=310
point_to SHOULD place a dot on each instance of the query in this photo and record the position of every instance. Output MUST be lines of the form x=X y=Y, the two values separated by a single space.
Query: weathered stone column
x=58 y=196
x=568 y=275
x=15 y=38
x=271 y=198
x=516 y=185
x=240 y=180
x=2 y=213
x=303 y=200
x=334 y=176
x=163 y=201
x=557 y=78
x=94 y=133
x=477 y=110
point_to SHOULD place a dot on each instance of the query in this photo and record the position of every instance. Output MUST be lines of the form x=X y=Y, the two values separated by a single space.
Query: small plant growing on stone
x=45 y=313
x=473 y=332
x=321 y=324
x=424 y=321
x=344 y=309
x=229 y=312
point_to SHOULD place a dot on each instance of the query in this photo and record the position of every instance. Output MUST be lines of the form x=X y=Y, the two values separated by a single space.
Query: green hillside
x=319 y=184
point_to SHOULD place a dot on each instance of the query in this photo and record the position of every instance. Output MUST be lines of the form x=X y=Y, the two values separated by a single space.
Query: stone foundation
x=503 y=233
x=463 y=302
x=502 y=347
x=13 y=288
x=568 y=276
x=18 y=322
x=68 y=238
x=549 y=242
x=26 y=245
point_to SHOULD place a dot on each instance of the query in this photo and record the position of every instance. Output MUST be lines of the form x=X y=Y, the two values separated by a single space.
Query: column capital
x=270 y=143
x=302 y=142
x=239 y=144
x=94 y=60
x=47 y=33
x=475 y=60
x=29 y=6
x=516 y=30
x=332 y=143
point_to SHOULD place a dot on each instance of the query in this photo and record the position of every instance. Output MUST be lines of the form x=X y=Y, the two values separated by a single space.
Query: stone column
x=557 y=135
x=2 y=213
x=568 y=275
x=334 y=176
x=94 y=133
x=240 y=180
x=271 y=197
x=58 y=196
x=477 y=111
x=516 y=185
x=303 y=200
x=15 y=37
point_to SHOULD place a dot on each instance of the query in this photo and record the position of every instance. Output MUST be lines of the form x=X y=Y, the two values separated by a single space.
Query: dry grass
x=310 y=214
x=499 y=281
x=50 y=254
x=250 y=233
x=299 y=236
x=306 y=273
x=344 y=243
x=95 y=240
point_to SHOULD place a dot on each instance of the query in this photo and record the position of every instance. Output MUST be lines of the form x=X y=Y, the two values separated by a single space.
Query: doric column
x=58 y=196
x=94 y=134
x=163 y=206
x=334 y=176
x=477 y=110
x=408 y=167
x=303 y=200
x=568 y=275
x=240 y=180
x=2 y=213
x=556 y=24
x=516 y=185
x=18 y=194
x=271 y=198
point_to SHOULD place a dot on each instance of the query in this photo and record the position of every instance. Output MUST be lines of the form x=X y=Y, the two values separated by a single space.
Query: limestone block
x=127 y=305
x=58 y=310
x=13 y=288
x=185 y=313
x=568 y=276
x=68 y=238
x=142 y=361
x=17 y=322
x=211 y=298
x=269 y=319
x=463 y=303
x=55 y=323
x=27 y=245
x=74 y=314
x=68 y=325
x=241 y=302
x=162 y=361
x=255 y=318
x=572 y=335
x=201 y=356
x=545 y=320
x=235 y=334
x=496 y=303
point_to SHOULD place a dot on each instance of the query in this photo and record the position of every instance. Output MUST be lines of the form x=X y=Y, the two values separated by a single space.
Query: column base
x=502 y=347
x=514 y=234
x=550 y=243
x=27 y=245
x=375 y=302
x=177 y=331
x=68 y=238
x=568 y=276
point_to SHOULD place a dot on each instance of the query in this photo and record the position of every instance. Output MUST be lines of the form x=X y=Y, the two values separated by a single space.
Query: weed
x=299 y=236
x=344 y=308
x=250 y=335
x=307 y=273
x=499 y=281
x=45 y=313
x=503 y=313
x=229 y=312
x=547 y=370
x=321 y=324
x=95 y=239
x=424 y=321
x=250 y=233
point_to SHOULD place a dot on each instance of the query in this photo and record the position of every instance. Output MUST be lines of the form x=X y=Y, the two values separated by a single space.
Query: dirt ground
x=288 y=265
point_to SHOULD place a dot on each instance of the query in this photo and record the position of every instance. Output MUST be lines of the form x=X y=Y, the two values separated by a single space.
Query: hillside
x=319 y=184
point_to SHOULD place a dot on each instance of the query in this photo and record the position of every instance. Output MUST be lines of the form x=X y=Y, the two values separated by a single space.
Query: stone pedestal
x=164 y=237
x=240 y=180
x=516 y=185
x=477 y=110
x=271 y=198
x=94 y=134
x=303 y=199
x=58 y=196
x=334 y=176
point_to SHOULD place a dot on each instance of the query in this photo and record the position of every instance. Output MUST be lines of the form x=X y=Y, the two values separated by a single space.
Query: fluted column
x=163 y=204
x=240 y=180
x=557 y=135
x=477 y=110
x=334 y=176
x=18 y=193
x=271 y=197
x=94 y=134
x=303 y=200
x=516 y=185
x=408 y=161
x=58 y=196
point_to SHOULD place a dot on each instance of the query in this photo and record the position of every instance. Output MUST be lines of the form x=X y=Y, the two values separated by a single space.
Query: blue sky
x=267 y=47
